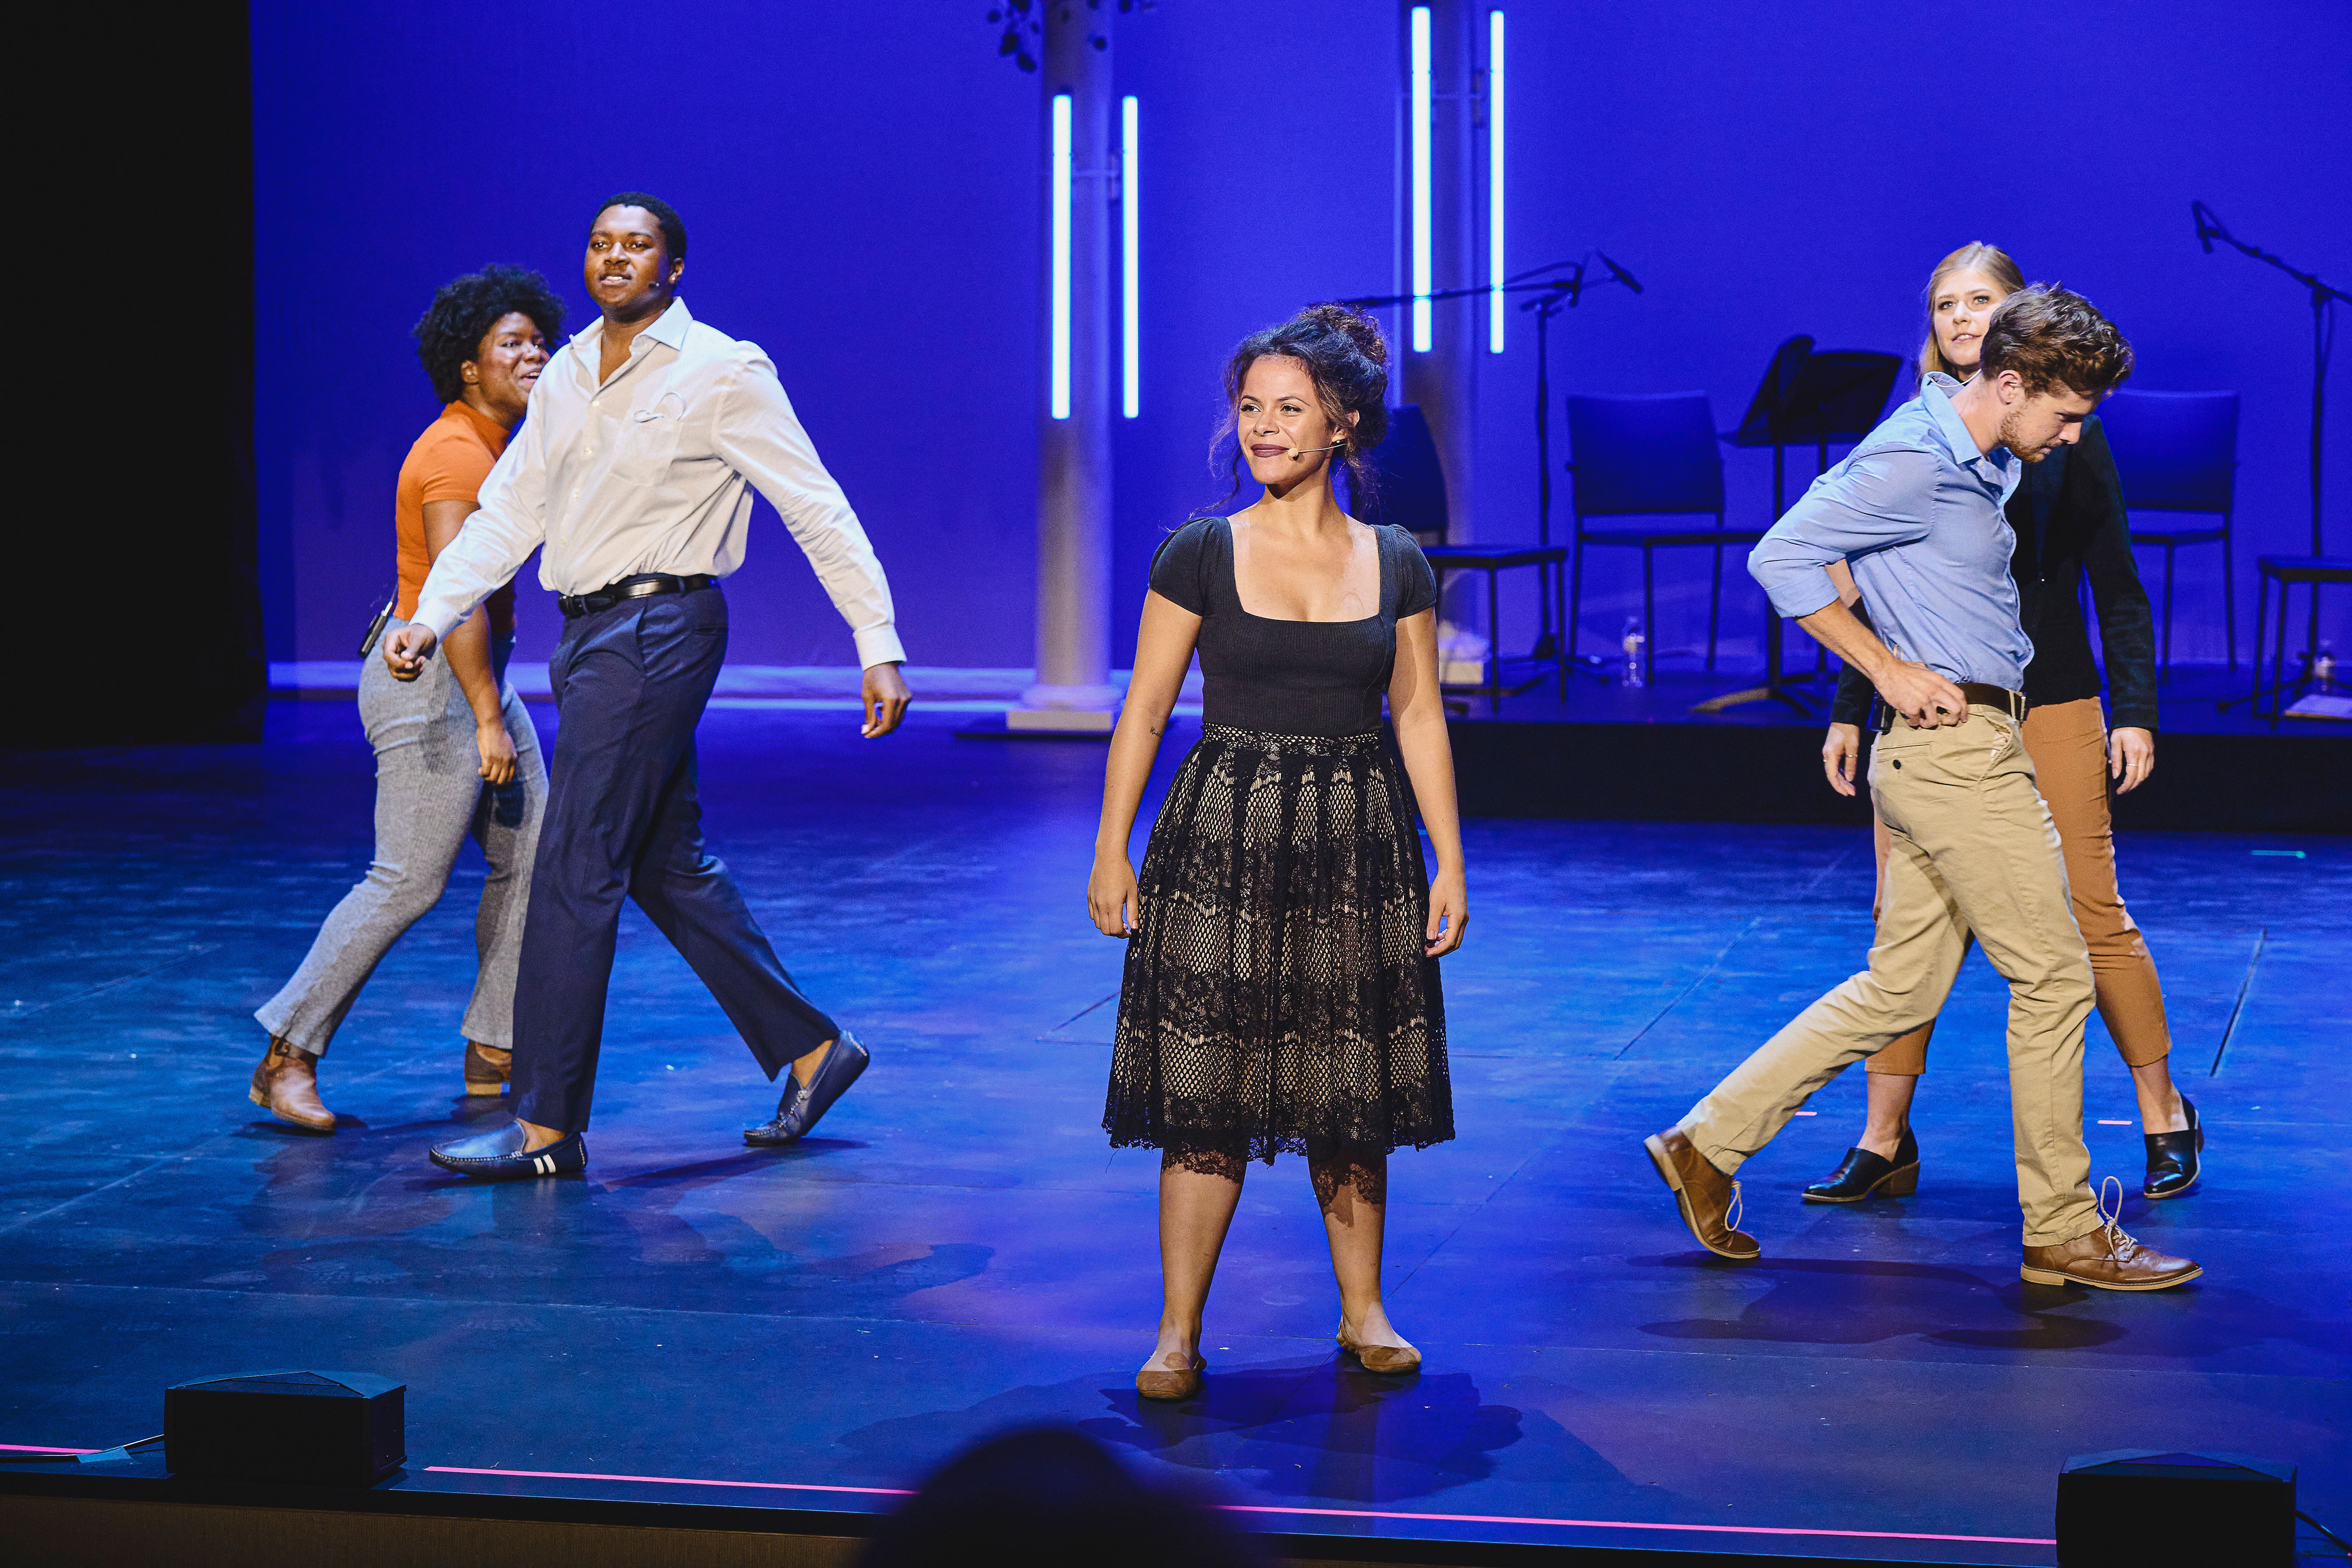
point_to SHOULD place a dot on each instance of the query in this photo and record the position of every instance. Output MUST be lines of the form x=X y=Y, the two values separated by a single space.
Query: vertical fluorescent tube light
x=1423 y=240
x=1131 y=314
x=1060 y=354
x=1495 y=181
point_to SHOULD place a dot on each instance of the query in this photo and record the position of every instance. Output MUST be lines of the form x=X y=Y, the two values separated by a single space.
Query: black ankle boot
x=1867 y=1175
x=2173 y=1166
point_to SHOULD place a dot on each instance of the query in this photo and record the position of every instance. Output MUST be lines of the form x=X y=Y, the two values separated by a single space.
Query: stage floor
x=959 y=1251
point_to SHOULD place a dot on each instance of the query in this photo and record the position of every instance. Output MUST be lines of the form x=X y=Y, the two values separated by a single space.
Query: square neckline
x=1234 y=578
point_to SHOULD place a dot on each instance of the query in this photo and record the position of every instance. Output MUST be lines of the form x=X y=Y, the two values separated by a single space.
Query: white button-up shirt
x=651 y=471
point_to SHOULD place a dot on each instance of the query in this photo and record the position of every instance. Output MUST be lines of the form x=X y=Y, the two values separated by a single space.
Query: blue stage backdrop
x=861 y=188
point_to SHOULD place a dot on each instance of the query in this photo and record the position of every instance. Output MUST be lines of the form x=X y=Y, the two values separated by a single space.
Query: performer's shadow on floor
x=1314 y=1428
x=1842 y=1302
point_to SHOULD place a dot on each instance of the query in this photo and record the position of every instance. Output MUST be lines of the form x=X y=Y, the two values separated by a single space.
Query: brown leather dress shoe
x=2106 y=1259
x=1157 y=1383
x=1393 y=1360
x=1708 y=1199
x=488 y=1069
x=286 y=1085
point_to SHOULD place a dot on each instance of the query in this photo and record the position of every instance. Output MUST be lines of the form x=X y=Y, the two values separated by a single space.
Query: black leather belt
x=1979 y=695
x=643 y=586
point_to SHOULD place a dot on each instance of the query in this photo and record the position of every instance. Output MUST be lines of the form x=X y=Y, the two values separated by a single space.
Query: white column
x=1443 y=380
x=1074 y=465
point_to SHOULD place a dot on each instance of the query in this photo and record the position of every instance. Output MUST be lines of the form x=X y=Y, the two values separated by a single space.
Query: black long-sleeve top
x=2068 y=515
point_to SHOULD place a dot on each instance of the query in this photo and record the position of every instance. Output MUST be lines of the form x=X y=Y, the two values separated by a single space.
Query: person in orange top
x=455 y=753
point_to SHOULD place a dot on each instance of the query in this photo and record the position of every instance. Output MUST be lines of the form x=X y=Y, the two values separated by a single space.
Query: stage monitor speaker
x=334 y=1428
x=2137 y=1504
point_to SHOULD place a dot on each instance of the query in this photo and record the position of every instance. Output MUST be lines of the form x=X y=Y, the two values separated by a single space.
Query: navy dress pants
x=624 y=819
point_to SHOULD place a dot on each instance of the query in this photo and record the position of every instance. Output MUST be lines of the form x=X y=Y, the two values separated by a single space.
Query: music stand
x=1806 y=399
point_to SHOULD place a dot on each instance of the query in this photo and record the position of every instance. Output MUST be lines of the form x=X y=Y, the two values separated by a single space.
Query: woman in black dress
x=1281 y=989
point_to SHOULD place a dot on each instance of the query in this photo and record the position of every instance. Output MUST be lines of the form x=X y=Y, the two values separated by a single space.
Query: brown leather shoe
x=1393 y=1360
x=1157 y=1383
x=1708 y=1199
x=286 y=1085
x=488 y=1069
x=2106 y=1259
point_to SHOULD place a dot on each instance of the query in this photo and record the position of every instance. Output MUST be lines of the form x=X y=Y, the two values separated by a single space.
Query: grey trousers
x=429 y=797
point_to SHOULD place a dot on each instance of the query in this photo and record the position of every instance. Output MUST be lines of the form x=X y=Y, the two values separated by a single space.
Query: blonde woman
x=2068 y=516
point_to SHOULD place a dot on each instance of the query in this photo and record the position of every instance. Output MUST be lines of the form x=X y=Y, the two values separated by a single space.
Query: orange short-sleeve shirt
x=449 y=462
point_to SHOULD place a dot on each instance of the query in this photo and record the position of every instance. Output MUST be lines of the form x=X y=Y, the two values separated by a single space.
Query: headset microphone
x=1303 y=451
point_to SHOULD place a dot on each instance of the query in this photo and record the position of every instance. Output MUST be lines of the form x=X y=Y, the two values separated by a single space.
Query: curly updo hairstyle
x=1347 y=359
x=450 y=332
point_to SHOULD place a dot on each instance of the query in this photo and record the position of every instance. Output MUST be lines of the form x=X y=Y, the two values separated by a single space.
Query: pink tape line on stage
x=1630 y=1524
x=1315 y=1512
x=43 y=1448
x=668 y=1480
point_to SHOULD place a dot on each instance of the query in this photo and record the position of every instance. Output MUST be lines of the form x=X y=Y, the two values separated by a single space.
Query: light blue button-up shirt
x=1917 y=513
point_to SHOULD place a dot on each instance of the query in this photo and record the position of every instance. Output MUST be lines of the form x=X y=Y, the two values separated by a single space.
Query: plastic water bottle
x=2323 y=669
x=1632 y=644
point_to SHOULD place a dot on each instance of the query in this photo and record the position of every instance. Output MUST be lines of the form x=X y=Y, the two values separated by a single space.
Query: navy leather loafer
x=798 y=1112
x=499 y=1156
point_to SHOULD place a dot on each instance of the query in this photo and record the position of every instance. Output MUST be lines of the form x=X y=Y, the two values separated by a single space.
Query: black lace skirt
x=1276 y=995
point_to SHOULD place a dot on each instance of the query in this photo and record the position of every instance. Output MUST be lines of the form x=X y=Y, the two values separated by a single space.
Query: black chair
x=2178 y=452
x=1410 y=495
x=2312 y=572
x=1647 y=456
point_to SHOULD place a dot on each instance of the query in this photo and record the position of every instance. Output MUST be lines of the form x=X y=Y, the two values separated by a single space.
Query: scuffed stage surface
x=959 y=1251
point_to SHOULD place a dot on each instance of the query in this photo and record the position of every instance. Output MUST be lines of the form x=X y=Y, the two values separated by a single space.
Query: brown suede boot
x=286 y=1085
x=1708 y=1199
x=488 y=1069
x=2107 y=1259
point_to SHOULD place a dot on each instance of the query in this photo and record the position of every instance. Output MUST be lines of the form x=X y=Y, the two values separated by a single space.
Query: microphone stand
x=2323 y=342
x=1552 y=294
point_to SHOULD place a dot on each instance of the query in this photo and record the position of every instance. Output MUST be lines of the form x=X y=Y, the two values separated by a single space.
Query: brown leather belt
x=1979 y=695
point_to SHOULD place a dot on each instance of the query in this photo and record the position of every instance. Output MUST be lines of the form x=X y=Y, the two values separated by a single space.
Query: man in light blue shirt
x=1917 y=514
x=1913 y=523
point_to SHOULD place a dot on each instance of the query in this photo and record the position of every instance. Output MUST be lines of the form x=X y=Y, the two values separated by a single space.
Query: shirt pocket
x=647 y=443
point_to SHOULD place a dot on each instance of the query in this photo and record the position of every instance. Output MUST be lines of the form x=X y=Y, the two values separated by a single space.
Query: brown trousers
x=1974 y=854
x=2068 y=743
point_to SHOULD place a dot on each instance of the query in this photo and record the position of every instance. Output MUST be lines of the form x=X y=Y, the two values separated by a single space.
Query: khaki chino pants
x=1972 y=851
x=2068 y=743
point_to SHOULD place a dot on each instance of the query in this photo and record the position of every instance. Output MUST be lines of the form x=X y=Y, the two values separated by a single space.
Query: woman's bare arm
x=1417 y=710
x=1163 y=652
x=468 y=649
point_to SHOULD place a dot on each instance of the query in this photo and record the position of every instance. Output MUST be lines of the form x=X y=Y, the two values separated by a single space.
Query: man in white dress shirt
x=634 y=469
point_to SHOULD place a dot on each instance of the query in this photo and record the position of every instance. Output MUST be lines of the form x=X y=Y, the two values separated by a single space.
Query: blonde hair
x=1974 y=257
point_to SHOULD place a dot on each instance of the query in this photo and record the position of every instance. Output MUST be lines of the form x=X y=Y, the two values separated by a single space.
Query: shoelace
x=2111 y=1218
x=1731 y=1214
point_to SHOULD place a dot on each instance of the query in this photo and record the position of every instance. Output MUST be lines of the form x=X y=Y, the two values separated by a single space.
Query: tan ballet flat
x=286 y=1085
x=1389 y=1359
x=1155 y=1383
x=488 y=1069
